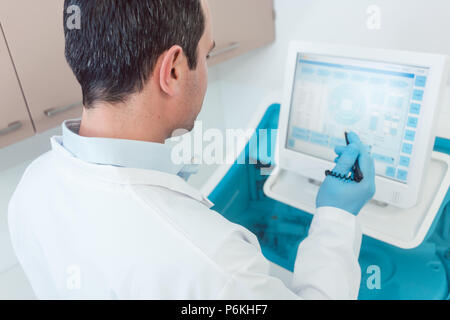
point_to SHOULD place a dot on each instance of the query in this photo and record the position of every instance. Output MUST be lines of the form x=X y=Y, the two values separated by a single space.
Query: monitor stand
x=404 y=228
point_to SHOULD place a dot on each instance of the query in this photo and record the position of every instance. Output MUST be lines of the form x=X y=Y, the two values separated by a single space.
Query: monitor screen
x=379 y=101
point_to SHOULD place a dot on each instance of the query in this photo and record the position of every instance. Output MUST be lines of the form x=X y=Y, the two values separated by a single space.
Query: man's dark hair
x=115 y=50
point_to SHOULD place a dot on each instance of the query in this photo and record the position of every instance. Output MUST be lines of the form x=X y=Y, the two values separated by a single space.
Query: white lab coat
x=83 y=230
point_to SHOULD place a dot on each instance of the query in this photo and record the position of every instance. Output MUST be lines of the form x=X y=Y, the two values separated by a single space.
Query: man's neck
x=106 y=121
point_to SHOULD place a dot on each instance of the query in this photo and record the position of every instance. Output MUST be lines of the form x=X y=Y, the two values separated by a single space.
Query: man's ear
x=171 y=70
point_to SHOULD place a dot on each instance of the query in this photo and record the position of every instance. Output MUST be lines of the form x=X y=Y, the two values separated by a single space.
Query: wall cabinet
x=15 y=122
x=240 y=26
x=35 y=36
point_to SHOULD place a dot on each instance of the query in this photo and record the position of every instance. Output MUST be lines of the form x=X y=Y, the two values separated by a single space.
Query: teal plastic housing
x=420 y=273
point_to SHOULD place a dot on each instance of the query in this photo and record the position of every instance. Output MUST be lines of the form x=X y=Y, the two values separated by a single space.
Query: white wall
x=237 y=86
x=417 y=25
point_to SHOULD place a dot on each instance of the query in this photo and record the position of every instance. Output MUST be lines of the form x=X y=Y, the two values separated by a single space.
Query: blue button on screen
x=412 y=122
x=319 y=138
x=418 y=95
x=407 y=148
x=318 y=135
x=337 y=142
x=291 y=143
x=383 y=158
x=402 y=175
x=300 y=133
x=415 y=108
x=420 y=81
x=404 y=161
x=390 y=172
x=373 y=123
x=410 y=135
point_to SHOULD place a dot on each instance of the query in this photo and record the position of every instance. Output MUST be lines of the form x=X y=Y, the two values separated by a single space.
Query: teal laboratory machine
x=422 y=272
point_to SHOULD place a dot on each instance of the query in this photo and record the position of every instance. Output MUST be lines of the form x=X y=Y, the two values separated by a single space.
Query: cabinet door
x=15 y=123
x=240 y=26
x=35 y=35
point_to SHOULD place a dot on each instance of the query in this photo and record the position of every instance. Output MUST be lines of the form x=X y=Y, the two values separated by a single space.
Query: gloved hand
x=350 y=196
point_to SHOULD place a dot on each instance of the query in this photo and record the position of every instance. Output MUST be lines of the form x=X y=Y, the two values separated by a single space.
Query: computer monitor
x=389 y=98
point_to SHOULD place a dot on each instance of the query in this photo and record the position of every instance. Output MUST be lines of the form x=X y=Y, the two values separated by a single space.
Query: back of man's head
x=115 y=50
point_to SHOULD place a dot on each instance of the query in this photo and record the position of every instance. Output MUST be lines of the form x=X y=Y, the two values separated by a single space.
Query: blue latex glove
x=350 y=196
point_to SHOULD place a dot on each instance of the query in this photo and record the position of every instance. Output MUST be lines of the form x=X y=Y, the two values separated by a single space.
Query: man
x=106 y=214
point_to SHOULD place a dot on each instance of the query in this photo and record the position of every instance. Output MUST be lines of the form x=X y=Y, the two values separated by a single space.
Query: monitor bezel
x=400 y=194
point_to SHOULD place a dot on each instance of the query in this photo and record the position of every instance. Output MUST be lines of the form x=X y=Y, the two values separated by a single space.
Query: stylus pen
x=357 y=173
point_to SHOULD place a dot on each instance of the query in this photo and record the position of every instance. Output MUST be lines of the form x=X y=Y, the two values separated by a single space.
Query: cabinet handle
x=220 y=51
x=14 y=126
x=55 y=111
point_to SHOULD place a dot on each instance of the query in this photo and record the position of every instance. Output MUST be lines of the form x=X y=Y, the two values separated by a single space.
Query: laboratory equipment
x=419 y=273
x=390 y=98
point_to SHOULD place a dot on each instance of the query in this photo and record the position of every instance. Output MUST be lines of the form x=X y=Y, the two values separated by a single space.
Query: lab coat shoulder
x=232 y=249
x=23 y=213
x=204 y=227
x=33 y=177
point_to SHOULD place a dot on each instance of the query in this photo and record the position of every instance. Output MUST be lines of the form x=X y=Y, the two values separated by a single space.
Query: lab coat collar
x=168 y=175
x=120 y=152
